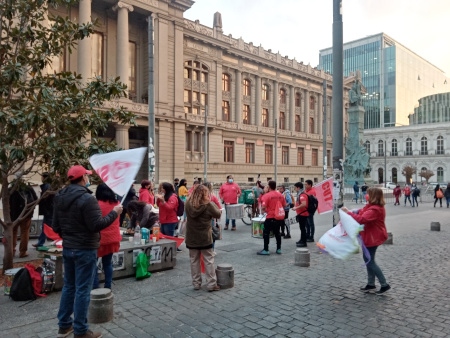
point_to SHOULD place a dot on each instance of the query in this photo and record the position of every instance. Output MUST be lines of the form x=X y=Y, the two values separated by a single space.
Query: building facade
x=432 y=109
x=249 y=95
x=395 y=78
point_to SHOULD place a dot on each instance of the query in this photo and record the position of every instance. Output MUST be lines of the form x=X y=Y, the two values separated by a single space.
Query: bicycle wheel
x=247 y=219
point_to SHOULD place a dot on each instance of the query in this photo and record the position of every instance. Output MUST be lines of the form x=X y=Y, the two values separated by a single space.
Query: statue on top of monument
x=355 y=92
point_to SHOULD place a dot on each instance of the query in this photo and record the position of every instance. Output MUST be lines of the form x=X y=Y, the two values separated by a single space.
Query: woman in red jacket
x=109 y=237
x=374 y=234
x=146 y=192
x=167 y=202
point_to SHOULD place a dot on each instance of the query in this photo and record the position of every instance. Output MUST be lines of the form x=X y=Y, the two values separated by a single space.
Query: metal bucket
x=9 y=277
x=235 y=211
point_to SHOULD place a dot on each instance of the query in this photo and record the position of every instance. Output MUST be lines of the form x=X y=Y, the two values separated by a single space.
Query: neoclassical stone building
x=423 y=146
x=248 y=92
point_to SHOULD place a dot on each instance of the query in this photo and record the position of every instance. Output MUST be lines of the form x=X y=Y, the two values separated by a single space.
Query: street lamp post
x=205 y=148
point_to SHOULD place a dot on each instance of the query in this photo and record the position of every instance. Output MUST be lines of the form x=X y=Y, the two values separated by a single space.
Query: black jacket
x=19 y=199
x=77 y=218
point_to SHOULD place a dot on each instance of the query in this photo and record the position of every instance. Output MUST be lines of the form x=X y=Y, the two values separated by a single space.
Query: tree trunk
x=8 y=247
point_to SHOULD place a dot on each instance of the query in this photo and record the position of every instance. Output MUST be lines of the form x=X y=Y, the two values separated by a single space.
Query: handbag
x=216 y=231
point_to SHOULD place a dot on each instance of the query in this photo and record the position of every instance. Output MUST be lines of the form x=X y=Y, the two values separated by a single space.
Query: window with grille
x=423 y=146
x=440 y=146
x=408 y=151
x=394 y=150
x=380 y=148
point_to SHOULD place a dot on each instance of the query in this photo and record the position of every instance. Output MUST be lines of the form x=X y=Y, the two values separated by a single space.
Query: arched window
x=367 y=145
x=380 y=148
x=195 y=96
x=246 y=88
x=408 y=151
x=265 y=92
x=311 y=125
x=297 y=123
x=440 y=146
x=282 y=96
x=298 y=99
x=282 y=121
x=423 y=146
x=226 y=82
x=440 y=174
x=312 y=102
x=394 y=151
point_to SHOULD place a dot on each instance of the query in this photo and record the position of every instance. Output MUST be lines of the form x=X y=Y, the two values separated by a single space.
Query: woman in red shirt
x=374 y=234
x=167 y=202
x=146 y=192
x=109 y=237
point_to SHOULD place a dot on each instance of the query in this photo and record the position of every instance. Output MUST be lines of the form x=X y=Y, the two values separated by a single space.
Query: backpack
x=22 y=287
x=180 y=209
x=313 y=203
x=279 y=211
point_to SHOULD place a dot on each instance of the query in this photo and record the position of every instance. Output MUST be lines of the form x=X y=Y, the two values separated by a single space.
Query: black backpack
x=22 y=287
x=313 y=203
x=180 y=209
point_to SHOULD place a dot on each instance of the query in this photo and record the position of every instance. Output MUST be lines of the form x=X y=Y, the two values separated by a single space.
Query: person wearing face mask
x=167 y=202
x=229 y=194
x=78 y=220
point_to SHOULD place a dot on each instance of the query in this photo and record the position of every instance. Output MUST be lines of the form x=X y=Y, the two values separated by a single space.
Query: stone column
x=84 y=54
x=291 y=108
x=219 y=92
x=238 y=115
x=122 y=138
x=123 y=53
x=178 y=65
x=275 y=105
x=306 y=113
x=257 y=100
x=319 y=110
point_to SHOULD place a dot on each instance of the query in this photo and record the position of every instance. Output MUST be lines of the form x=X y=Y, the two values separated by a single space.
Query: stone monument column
x=123 y=52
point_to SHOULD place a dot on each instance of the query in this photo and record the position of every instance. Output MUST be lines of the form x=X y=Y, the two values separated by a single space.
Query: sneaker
x=279 y=251
x=233 y=228
x=287 y=236
x=383 y=290
x=282 y=234
x=62 y=333
x=179 y=250
x=89 y=334
x=298 y=242
x=215 y=288
x=263 y=252
x=225 y=227
x=368 y=289
x=301 y=245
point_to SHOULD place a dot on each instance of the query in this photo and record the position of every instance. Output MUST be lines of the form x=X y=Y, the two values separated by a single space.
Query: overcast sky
x=300 y=28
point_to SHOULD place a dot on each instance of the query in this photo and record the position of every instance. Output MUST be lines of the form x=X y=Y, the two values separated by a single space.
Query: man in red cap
x=77 y=219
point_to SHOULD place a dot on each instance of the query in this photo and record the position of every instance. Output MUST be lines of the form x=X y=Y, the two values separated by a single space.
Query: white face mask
x=230 y=180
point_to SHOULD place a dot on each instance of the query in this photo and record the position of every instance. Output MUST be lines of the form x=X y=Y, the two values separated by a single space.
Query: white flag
x=119 y=168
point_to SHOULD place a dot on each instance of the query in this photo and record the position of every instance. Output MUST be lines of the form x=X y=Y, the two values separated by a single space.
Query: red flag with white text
x=324 y=195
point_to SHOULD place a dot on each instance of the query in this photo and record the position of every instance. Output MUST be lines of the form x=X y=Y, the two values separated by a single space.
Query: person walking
x=269 y=203
x=310 y=227
x=438 y=195
x=229 y=194
x=447 y=194
x=356 y=191
x=415 y=192
x=146 y=192
x=45 y=208
x=301 y=208
x=407 y=193
x=19 y=200
x=397 y=192
x=109 y=237
x=364 y=188
x=373 y=217
x=167 y=202
x=200 y=211
x=287 y=196
x=78 y=220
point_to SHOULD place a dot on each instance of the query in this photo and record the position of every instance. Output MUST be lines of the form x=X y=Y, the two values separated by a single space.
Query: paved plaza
x=274 y=298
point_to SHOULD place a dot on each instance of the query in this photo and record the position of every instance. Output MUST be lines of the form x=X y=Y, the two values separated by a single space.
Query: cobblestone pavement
x=274 y=298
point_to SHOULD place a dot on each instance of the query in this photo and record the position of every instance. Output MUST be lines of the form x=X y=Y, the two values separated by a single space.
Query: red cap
x=77 y=171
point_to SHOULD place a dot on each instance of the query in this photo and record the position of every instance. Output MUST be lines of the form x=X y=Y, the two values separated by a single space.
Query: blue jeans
x=408 y=197
x=310 y=227
x=356 y=197
x=42 y=238
x=168 y=229
x=79 y=269
x=107 y=270
x=373 y=269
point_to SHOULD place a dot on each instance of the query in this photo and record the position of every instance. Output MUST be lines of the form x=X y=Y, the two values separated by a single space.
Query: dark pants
x=272 y=225
x=436 y=199
x=284 y=225
x=303 y=222
x=414 y=200
x=310 y=227
x=107 y=270
x=373 y=270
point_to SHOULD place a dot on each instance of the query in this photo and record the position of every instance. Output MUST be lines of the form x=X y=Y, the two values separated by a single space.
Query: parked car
x=442 y=185
x=391 y=185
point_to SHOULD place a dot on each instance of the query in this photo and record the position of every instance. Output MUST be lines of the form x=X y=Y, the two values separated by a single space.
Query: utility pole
x=276 y=152
x=337 y=106
x=151 y=104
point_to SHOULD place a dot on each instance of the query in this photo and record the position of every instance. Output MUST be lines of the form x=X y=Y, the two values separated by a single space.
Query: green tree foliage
x=48 y=121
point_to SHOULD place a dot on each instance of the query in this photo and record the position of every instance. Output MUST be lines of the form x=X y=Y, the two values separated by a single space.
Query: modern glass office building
x=394 y=76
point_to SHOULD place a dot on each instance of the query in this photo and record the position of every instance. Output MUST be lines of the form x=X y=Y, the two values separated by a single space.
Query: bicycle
x=248 y=214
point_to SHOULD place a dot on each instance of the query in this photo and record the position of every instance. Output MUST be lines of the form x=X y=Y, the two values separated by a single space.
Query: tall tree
x=48 y=121
x=408 y=171
x=426 y=174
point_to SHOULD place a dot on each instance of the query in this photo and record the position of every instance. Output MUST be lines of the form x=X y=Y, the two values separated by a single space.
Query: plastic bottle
x=137 y=235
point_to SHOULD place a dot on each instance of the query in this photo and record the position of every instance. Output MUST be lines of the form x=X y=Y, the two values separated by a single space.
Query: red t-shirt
x=168 y=210
x=215 y=200
x=146 y=196
x=269 y=201
x=229 y=193
x=303 y=199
